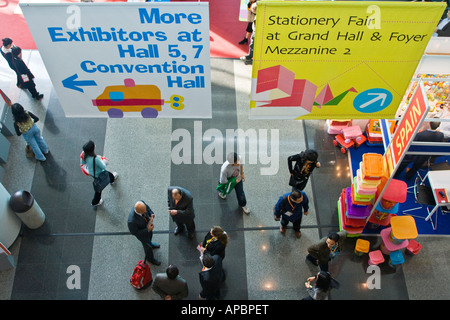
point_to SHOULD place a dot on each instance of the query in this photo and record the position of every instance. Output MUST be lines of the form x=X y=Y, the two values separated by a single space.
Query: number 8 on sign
x=176 y=102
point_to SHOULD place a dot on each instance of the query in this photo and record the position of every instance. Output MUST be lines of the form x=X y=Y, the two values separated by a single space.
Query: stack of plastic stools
x=353 y=221
x=355 y=202
x=395 y=193
x=376 y=257
x=413 y=248
x=362 y=246
x=397 y=236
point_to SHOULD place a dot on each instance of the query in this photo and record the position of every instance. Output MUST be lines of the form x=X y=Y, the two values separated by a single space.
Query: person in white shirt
x=234 y=168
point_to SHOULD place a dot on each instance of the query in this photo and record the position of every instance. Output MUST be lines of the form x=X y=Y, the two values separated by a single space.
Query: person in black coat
x=215 y=242
x=6 y=51
x=431 y=135
x=305 y=163
x=25 y=77
x=140 y=224
x=443 y=28
x=211 y=277
x=181 y=209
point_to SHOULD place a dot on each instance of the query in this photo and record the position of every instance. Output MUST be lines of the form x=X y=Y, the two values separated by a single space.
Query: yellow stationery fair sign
x=337 y=60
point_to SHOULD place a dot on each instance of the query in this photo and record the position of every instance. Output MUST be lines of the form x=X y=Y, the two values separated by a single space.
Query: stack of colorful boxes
x=388 y=207
x=396 y=238
x=355 y=205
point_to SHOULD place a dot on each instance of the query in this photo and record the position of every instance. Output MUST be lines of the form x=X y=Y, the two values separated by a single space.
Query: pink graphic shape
x=325 y=95
x=303 y=93
x=129 y=82
x=278 y=80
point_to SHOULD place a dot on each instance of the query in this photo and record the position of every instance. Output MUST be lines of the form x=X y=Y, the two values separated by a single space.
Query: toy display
x=437 y=90
x=350 y=137
x=336 y=126
x=373 y=132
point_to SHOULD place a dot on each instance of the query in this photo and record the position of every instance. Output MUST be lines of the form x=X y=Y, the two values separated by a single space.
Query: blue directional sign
x=372 y=100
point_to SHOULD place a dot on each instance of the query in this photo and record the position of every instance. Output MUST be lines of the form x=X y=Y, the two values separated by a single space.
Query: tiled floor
x=260 y=263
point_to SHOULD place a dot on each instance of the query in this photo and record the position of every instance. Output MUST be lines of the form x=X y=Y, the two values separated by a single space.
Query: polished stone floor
x=260 y=263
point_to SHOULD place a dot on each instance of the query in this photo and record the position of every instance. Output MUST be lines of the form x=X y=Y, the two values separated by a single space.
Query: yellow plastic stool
x=362 y=246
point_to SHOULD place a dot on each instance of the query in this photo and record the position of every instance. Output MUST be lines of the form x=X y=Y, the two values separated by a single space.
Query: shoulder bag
x=101 y=181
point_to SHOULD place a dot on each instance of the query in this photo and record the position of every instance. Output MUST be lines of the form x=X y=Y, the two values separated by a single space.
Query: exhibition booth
x=374 y=196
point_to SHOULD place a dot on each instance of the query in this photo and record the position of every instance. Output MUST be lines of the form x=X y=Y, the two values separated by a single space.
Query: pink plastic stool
x=375 y=257
x=413 y=248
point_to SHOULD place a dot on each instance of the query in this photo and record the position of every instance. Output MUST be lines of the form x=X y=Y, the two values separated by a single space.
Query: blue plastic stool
x=396 y=258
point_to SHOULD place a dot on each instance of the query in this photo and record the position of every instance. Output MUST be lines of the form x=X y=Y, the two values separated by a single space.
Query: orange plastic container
x=403 y=227
x=362 y=246
x=372 y=165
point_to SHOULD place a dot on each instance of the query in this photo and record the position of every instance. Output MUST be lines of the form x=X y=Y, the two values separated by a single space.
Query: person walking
x=140 y=224
x=250 y=17
x=25 y=125
x=290 y=208
x=181 y=209
x=169 y=285
x=305 y=163
x=233 y=168
x=326 y=249
x=25 y=77
x=96 y=166
x=215 y=242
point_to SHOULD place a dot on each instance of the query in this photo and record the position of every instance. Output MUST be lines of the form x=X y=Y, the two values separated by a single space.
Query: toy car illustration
x=146 y=99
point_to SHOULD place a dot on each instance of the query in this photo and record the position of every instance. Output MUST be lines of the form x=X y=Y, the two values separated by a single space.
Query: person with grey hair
x=181 y=209
x=233 y=168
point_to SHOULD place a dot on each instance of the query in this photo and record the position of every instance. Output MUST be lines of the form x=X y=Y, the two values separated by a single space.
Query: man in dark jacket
x=290 y=208
x=140 y=224
x=181 y=209
x=211 y=277
x=326 y=249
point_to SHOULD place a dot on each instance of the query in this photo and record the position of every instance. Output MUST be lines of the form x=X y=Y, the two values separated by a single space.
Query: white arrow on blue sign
x=372 y=100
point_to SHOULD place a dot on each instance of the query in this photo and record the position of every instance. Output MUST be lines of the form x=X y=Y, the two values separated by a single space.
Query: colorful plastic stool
x=403 y=228
x=396 y=258
x=375 y=257
x=373 y=166
x=362 y=246
x=387 y=246
x=396 y=191
x=413 y=248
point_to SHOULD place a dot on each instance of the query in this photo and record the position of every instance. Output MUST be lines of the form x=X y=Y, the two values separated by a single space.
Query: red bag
x=142 y=276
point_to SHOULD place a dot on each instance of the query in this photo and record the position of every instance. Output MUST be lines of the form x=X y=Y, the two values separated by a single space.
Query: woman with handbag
x=97 y=169
x=24 y=124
